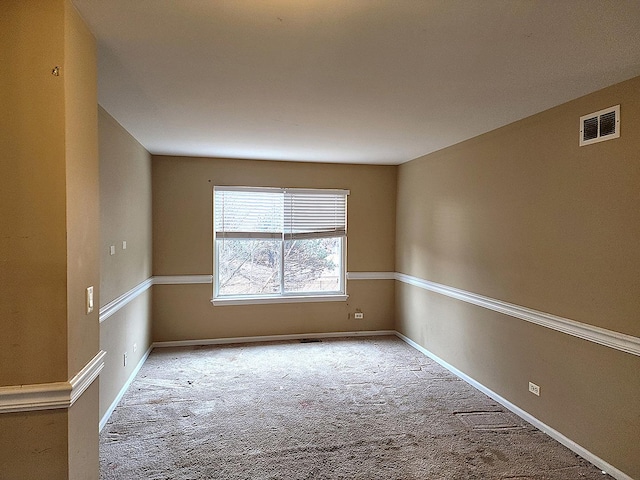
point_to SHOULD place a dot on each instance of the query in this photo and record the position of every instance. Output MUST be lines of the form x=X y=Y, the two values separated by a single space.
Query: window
x=277 y=245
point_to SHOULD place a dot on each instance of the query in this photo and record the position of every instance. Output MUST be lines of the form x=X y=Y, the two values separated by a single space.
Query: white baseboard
x=271 y=338
x=123 y=390
x=567 y=442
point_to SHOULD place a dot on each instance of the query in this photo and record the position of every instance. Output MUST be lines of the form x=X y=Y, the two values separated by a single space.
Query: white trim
x=271 y=338
x=371 y=275
x=113 y=306
x=181 y=279
x=40 y=396
x=602 y=336
x=556 y=435
x=123 y=390
x=278 y=299
x=48 y=396
x=317 y=191
x=85 y=377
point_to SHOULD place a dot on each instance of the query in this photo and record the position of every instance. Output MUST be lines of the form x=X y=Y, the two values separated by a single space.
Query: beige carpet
x=363 y=408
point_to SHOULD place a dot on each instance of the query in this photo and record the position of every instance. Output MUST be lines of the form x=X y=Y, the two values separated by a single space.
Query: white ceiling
x=357 y=81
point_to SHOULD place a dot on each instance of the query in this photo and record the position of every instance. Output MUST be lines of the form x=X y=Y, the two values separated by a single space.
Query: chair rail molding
x=602 y=336
x=181 y=279
x=114 y=305
x=49 y=396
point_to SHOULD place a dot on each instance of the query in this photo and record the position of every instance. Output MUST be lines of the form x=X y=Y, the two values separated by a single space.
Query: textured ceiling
x=358 y=81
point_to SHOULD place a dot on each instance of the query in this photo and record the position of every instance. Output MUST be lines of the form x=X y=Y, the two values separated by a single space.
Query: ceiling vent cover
x=600 y=126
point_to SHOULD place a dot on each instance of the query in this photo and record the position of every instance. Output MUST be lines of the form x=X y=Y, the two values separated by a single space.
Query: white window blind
x=246 y=212
x=314 y=214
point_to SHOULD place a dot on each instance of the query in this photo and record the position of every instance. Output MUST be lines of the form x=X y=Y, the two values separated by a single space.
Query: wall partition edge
x=567 y=442
x=602 y=336
x=53 y=395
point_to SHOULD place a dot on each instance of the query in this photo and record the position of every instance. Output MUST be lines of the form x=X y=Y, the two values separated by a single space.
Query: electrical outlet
x=533 y=388
x=359 y=315
x=135 y=347
x=125 y=359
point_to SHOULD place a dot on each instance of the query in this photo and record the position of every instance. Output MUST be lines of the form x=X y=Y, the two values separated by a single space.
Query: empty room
x=323 y=239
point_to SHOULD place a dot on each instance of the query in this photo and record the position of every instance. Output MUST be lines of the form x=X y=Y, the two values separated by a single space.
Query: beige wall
x=525 y=215
x=83 y=452
x=125 y=209
x=33 y=255
x=82 y=185
x=34 y=445
x=83 y=237
x=50 y=231
x=125 y=215
x=182 y=244
x=521 y=214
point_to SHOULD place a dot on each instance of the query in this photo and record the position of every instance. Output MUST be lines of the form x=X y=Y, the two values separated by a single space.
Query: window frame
x=283 y=296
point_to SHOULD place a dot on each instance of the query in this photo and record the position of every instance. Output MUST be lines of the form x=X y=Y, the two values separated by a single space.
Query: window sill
x=284 y=299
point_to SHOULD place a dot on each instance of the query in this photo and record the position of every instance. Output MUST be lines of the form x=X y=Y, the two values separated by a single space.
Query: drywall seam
x=556 y=435
x=113 y=306
x=53 y=395
x=123 y=390
x=602 y=336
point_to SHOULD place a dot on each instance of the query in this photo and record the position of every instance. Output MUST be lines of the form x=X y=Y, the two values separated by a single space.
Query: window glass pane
x=312 y=265
x=248 y=267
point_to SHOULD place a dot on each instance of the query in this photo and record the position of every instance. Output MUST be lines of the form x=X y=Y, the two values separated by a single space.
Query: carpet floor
x=357 y=408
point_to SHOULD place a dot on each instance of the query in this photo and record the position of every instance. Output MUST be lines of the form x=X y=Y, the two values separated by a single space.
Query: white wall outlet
x=124 y=361
x=89 y=300
x=135 y=347
x=359 y=315
x=112 y=250
x=124 y=244
x=533 y=388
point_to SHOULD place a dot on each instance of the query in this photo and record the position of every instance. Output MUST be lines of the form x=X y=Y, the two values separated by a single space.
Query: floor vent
x=600 y=126
x=310 y=340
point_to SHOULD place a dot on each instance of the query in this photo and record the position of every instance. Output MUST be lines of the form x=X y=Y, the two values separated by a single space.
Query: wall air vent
x=600 y=126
